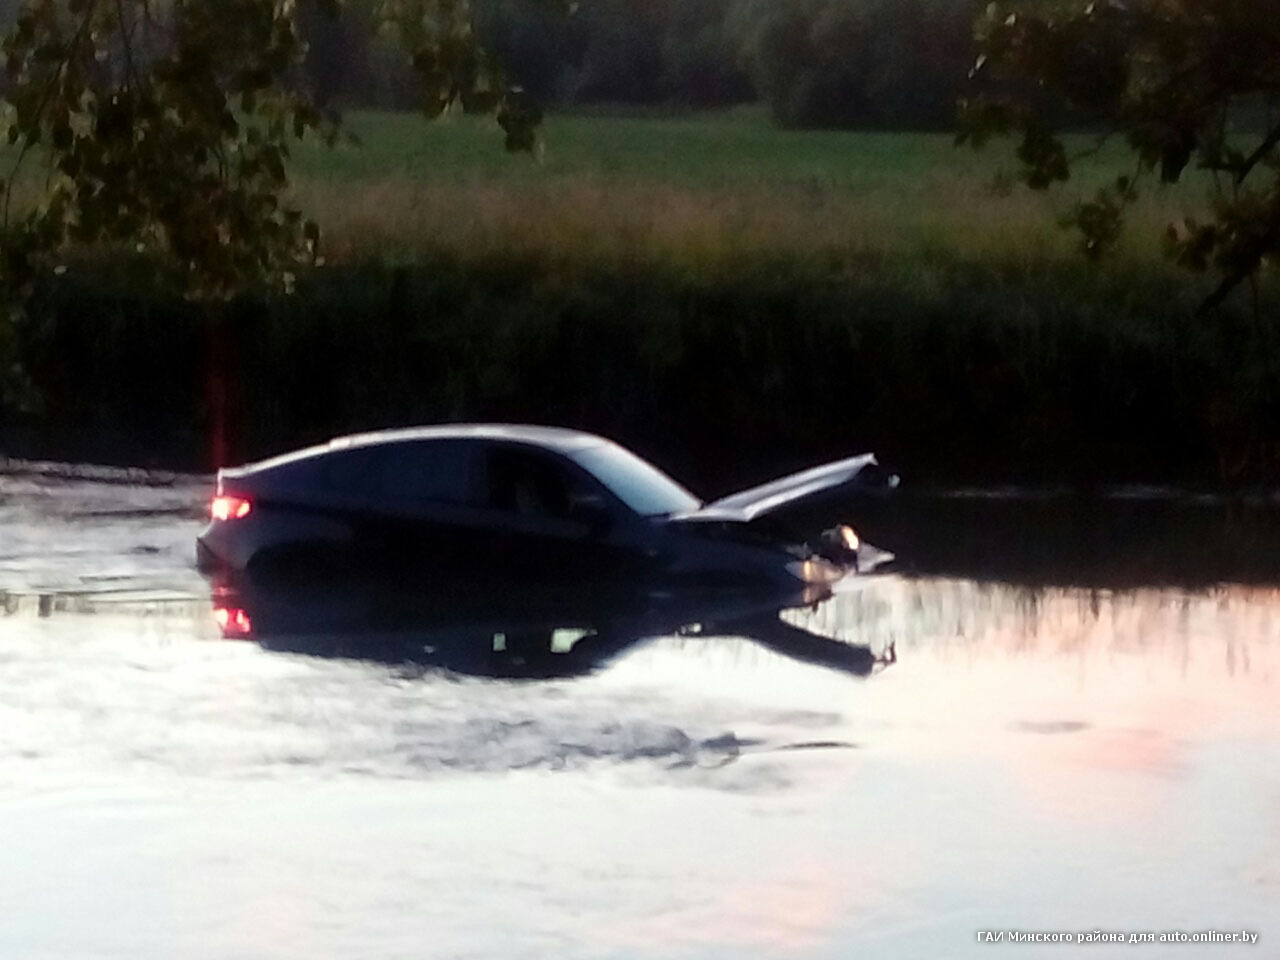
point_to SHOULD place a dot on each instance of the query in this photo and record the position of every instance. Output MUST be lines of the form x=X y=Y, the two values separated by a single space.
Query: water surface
x=1040 y=758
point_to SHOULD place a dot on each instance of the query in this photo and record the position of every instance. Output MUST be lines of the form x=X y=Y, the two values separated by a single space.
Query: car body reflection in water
x=518 y=635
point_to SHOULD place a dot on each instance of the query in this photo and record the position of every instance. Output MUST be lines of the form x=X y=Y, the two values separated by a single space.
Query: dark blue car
x=494 y=500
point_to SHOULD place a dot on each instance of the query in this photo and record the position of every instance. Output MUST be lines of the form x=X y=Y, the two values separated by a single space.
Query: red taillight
x=229 y=508
x=233 y=621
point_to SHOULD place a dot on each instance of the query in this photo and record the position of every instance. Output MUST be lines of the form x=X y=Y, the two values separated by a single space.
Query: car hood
x=787 y=491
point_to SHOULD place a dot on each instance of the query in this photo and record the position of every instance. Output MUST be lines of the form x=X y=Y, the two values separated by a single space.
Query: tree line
x=814 y=63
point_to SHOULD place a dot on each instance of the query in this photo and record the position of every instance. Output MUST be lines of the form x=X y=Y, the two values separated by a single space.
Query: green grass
x=735 y=148
x=695 y=190
x=692 y=189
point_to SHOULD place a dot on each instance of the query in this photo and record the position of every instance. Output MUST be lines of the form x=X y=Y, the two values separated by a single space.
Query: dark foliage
x=841 y=63
x=1187 y=83
x=992 y=373
x=858 y=63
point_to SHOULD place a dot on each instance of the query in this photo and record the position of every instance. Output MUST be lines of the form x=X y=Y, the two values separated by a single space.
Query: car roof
x=553 y=438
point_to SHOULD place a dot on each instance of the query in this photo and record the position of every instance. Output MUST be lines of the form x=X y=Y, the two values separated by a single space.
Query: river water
x=1042 y=757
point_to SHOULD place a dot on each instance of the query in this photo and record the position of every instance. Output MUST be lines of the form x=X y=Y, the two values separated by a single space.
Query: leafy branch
x=1185 y=82
x=178 y=147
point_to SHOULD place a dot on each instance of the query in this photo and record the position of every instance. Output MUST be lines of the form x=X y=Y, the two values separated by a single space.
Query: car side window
x=435 y=470
x=531 y=483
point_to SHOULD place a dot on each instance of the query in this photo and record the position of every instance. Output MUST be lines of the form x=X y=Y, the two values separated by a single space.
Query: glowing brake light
x=233 y=621
x=229 y=508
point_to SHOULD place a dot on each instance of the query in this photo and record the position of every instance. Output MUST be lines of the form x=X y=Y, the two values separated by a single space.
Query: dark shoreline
x=1048 y=377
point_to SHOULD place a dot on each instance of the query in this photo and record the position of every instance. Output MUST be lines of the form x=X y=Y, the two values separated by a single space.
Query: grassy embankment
x=723 y=295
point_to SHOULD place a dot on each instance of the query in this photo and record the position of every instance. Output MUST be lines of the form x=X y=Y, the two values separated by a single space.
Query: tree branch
x=1243 y=272
x=1270 y=143
x=45 y=96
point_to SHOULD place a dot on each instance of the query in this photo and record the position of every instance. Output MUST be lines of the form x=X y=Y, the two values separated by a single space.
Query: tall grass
x=602 y=220
x=693 y=190
x=697 y=190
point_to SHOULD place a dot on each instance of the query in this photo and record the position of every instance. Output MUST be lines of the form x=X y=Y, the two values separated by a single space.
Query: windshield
x=640 y=485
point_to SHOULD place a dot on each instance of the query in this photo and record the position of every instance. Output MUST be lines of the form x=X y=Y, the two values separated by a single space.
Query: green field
x=695 y=191
x=706 y=187
x=736 y=148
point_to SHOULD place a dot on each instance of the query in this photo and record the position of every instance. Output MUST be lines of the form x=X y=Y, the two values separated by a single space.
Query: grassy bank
x=723 y=296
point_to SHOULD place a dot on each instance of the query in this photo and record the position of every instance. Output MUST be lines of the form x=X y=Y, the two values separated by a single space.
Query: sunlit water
x=1036 y=760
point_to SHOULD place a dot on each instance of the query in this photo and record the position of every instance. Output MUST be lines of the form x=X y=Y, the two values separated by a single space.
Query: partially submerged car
x=496 y=500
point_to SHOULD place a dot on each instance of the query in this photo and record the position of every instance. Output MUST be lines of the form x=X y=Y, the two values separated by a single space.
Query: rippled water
x=1037 y=759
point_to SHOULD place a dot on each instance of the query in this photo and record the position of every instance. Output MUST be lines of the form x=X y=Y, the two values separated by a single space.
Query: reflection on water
x=965 y=615
x=360 y=776
x=538 y=635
